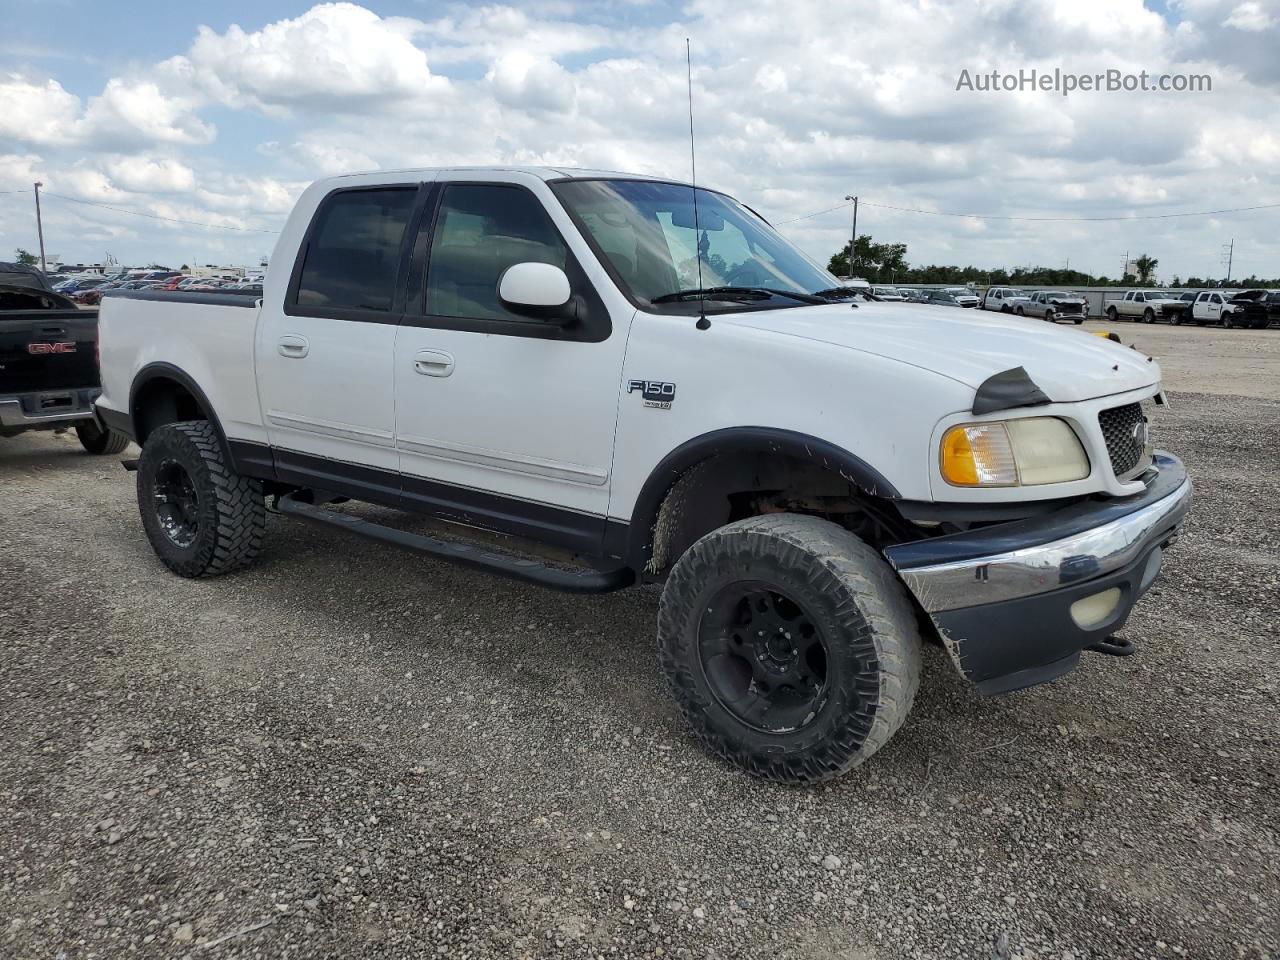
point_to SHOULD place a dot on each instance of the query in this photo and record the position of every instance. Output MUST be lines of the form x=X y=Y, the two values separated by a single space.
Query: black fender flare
x=766 y=440
x=233 y=451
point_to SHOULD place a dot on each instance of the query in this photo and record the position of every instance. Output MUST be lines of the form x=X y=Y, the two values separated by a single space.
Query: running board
x=518 y=568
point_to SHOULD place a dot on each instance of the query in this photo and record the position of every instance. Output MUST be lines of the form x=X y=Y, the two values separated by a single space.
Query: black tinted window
x=481 y=230
x=354 y=252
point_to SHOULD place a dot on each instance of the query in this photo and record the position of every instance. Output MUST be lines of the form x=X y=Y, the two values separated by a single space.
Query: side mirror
x=537 y=290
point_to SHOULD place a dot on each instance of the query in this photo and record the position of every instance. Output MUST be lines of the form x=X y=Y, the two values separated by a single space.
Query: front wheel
x=790 y=646
x=1079 y=320
x=202 y=518
x=1149 y=316
x=1020 y=312
x=100 y=441
x=1049 y=315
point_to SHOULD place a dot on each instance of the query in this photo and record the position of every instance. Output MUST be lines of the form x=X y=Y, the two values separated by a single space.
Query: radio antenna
x=703 y=322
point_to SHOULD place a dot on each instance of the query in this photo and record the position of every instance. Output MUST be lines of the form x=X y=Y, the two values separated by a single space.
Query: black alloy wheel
x=764 y=658
x=177 y=504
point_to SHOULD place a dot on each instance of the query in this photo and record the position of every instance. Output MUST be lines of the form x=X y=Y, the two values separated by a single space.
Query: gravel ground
x=346 y=752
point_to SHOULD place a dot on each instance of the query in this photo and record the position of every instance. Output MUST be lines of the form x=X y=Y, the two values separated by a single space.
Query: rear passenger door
x=502 y=420
x=325 y=358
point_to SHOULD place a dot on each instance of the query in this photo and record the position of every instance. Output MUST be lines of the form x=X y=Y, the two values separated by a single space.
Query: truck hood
x=968 y=346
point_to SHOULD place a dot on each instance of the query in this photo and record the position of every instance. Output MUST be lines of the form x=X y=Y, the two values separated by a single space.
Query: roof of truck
x=544 y=173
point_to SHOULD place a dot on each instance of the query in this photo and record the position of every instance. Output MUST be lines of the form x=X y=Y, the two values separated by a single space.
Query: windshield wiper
x=735 y=293
x=837 y=293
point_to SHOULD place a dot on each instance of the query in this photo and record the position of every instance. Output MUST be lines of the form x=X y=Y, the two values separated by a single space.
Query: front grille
x=1125 y=445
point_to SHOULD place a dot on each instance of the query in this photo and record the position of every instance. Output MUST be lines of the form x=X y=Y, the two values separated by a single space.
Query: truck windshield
x=645 y=231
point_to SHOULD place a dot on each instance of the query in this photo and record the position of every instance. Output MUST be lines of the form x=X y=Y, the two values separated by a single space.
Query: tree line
x=887 y=263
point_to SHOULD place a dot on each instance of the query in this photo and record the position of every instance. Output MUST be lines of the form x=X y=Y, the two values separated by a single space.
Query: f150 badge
x=655 y=393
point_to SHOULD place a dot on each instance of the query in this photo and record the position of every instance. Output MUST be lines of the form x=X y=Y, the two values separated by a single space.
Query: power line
x=981 y=216
x=156 y=216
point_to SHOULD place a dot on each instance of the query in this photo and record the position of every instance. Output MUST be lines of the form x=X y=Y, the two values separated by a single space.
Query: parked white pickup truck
x=1004 y=300
x=1148 y=306
x=672 y=392
x=1215 y=307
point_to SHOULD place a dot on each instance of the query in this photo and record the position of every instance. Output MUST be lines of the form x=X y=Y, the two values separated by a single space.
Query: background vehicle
x=1054 y=305
x=69 y=287
x=1253 y=308
x=48 y=375
x=1148 y=306
x=1004 y=299
x=887 y=294
x=942 y=298
x=963 y=296
x=574 y=360
x=911 y=295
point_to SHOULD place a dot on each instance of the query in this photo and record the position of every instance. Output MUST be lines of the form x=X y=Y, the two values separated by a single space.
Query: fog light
x=1095 y=608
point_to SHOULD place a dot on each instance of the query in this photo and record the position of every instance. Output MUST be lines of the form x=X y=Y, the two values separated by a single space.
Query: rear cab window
x=352 y=256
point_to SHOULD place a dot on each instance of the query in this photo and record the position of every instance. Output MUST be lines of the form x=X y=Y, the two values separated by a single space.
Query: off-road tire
x=98 y=441
x=861 y=607
x=231 y=513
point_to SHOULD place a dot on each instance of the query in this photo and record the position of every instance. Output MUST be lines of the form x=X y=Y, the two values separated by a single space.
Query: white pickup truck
x=670 y=391
x=1149 y=306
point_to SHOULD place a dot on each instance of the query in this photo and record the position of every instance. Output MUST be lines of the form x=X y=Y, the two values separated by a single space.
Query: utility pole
x=853 y=235
x=1228 y=254
x=40 y=227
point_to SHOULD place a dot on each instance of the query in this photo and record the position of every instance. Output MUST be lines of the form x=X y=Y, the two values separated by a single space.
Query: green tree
x=1146 y=266
x=25 y=257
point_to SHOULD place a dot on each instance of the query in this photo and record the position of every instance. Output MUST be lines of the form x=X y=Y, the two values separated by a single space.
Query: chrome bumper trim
x=12 y=415
x=1062 y=563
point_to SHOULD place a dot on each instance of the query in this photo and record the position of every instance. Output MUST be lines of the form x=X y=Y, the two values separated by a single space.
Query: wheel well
x=161 y=401
x=723 y=488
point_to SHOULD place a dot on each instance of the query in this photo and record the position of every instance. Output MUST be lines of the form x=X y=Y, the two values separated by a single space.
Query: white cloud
x=150 y=174
x=1251 y=17
x=530 y=81
x=334 y=56
x=37 y=112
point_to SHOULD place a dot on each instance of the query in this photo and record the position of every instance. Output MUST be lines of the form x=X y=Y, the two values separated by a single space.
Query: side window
x=1203 y=298
x=353 y=253
x=1215 y=299
x=481 y=229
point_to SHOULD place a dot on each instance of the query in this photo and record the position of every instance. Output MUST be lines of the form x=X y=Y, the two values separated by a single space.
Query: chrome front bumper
x=1073 y=559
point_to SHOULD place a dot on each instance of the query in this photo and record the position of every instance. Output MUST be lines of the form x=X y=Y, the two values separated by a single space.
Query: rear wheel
x=202 y=519
x=100 y=441
x=1112 y=314
x=790 y=646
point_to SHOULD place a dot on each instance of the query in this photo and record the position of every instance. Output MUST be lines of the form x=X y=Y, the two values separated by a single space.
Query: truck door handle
x=433 y=363
x=293 y=346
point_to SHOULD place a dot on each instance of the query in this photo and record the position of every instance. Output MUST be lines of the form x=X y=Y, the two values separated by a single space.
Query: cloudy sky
x=221 y=112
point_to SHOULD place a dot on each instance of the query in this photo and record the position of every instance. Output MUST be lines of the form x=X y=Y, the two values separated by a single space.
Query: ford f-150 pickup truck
x=653 y=379
x=48 y=373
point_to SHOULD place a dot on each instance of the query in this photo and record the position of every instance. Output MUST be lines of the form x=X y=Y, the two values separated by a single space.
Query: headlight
x=1011 y=453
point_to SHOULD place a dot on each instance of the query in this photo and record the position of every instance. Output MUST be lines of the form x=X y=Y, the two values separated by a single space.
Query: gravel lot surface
x=349 y=752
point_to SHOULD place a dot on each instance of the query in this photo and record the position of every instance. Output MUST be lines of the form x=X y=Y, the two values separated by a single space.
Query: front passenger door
x=502 y=420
